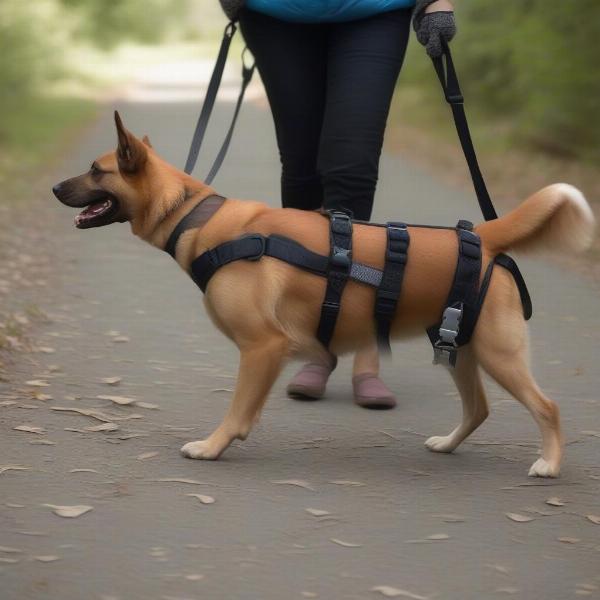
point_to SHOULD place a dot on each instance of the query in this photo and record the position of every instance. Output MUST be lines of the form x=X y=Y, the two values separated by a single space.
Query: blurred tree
x=108 y=23
x=532 y=64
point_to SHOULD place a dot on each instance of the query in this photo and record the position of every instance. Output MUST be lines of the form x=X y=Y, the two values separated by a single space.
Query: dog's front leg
x=259 y=367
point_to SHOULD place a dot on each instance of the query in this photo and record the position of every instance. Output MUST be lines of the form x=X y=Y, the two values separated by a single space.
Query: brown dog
x=270 y=309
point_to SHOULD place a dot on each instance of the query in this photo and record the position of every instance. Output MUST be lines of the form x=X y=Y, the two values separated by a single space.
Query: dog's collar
x=197 y=217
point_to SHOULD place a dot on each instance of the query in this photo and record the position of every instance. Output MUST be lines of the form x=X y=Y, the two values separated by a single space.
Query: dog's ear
x=147 y=141
x=131 y=152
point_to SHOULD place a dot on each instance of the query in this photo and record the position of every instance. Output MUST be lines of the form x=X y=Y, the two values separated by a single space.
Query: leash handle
x=247 y=72
x=209 y=100
x=444 y=67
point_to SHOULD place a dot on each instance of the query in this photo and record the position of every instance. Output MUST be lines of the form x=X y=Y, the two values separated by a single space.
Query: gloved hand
x=434 y=27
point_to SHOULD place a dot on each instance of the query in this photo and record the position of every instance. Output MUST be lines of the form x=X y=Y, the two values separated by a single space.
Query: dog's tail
x=557 y=218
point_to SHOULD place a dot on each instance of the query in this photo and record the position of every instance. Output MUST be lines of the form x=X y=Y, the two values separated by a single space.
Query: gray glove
x=433 y=28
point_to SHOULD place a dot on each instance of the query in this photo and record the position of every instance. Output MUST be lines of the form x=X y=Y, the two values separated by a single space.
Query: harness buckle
x=445 y=349
x=340 y=259
x=444 y=354
x=262 y=242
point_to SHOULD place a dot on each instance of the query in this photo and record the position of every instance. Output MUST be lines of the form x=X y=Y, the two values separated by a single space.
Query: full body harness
x=465 y=299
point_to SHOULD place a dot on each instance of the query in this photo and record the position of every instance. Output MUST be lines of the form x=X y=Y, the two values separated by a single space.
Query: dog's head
x=117 y=186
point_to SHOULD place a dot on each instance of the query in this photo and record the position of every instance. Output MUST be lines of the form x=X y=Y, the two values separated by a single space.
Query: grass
x=34 y=133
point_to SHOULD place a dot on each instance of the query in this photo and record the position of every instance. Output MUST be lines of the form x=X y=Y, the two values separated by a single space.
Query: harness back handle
x=444 y=67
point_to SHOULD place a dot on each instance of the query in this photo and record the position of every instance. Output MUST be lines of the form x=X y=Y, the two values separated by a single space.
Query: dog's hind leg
x=259 y=367
x=474 y=403
x=501 y=346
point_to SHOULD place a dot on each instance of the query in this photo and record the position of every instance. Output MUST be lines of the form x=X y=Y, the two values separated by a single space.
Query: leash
x=209 y=103
x=448 y=78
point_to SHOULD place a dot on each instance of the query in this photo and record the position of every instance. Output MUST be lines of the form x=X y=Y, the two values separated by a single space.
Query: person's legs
x=291 y=59
x=364 y=59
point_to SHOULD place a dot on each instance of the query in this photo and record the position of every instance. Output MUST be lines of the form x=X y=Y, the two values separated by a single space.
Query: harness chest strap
x=388 y=292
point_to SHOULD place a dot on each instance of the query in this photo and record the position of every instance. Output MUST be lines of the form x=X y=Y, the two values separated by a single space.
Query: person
x=329 y=68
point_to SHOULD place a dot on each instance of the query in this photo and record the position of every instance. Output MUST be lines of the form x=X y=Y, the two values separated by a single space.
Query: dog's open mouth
x=98 y=213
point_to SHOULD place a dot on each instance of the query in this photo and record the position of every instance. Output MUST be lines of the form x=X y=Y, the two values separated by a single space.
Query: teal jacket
x=325 y=11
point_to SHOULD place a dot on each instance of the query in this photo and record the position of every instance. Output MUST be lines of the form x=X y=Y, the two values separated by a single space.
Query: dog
x=270 y=309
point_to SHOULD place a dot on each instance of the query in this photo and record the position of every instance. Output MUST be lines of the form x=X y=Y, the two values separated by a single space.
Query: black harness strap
x=253 y=247
x=388 y=292
x=338 y=272
x=508 y=263
x=197 y=217
x=209 y=103
x=462 y=306
x=449 y=80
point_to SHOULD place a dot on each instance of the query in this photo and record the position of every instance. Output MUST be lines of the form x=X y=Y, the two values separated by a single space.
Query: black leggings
x=330 y=88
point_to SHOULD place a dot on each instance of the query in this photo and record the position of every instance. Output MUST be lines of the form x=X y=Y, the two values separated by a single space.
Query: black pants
x=329 y=87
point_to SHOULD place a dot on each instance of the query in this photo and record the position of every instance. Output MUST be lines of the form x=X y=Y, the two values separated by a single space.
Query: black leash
x=209 y=103
x=447 y=75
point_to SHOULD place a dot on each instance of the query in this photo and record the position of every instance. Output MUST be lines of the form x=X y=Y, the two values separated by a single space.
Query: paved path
x=426 y=525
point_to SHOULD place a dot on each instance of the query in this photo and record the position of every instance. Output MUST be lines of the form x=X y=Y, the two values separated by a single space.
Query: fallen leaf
x=594 y=519
x=519 y=518
x=103 y=427
x=146 y=455
x=204 y=499
x=500 y=568
x=96 y=414
x=345 y=544
x=111 y=380
x=451 y=518
x=37 y=383
x=42 y=397
x=46 y=349
x=568 y=540
x=554 y=501
x=147 y=405
x=315 y=512
x=438 y=536
x=121 y=400
x=30 y=429
x=347 y=483
x=47 y=558
x=69 y=512
x=5 y=468
x=391 y=592
x=297 y=482
x=178 y=480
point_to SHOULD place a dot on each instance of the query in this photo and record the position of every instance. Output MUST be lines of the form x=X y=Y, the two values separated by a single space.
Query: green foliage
x=533 y=65
x=107 y=23
x=26 y=52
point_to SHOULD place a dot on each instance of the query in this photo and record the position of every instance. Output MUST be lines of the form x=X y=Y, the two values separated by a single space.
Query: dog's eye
x=95 y=171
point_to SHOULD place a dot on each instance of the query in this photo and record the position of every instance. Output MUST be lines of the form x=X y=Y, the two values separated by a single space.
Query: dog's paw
x=201 y=450
x=542 y=468
x=439 y=443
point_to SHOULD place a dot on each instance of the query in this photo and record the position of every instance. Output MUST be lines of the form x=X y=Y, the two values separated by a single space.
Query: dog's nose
x=56 y=189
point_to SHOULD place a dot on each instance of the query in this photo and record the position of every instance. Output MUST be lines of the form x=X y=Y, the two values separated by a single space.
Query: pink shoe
x=310 y=381
x=371 y=392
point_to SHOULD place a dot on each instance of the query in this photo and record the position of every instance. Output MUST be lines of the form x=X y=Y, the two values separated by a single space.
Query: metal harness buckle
x=445 y=349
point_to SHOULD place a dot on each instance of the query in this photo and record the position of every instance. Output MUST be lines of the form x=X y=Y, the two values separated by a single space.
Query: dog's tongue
x=93 y=210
